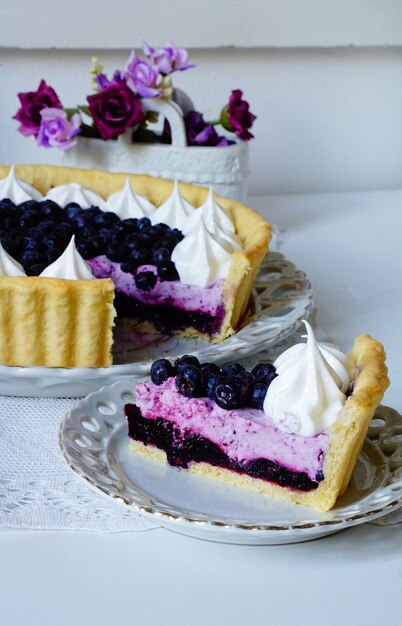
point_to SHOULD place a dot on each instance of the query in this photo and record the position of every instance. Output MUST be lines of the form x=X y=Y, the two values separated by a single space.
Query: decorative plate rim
x=336 y=519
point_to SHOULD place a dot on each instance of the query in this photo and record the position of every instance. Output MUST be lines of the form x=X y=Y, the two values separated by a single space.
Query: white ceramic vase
x=225 y=169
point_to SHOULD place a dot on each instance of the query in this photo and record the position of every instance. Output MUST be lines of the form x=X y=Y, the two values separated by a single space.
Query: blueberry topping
x=258 y=394
x=145 y=281
x=160 y=255
x=72 y=210
x=211 y=382
x=139 y=256
x=116 y=252
x=264 y=372
x=106 y=219
x=189 y=382
x=167 y=271
x=208 y=370
x=232 y=369
x=228 y=395
x=161 y=370
x=143 y=223
x=186 y=359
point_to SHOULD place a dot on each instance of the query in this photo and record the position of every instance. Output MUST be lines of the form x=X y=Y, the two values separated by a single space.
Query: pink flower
x=237 y=117
x=32 y=103
x=169 y=58
x=56 y=130
x=142 y=78
x=115 y=109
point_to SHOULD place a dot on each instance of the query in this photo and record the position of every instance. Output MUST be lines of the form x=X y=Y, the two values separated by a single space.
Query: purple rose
x=199 y=133
x=169 y=58
x=115 y=109
x=102 y=80
x=236 y=116
x=32 y=103
x=56 y=130
x=142 y=78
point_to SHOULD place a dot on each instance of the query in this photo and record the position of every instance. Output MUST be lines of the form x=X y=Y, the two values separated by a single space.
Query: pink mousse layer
x=173 y=293
x=242 y=434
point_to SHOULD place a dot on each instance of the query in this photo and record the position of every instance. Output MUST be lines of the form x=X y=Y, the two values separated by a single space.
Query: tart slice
x=219 y=423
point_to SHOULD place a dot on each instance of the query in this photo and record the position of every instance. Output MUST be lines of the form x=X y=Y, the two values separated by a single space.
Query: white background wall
x=323 y=77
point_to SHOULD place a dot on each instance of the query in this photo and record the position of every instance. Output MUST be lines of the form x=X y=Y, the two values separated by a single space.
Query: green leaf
x=84 y=109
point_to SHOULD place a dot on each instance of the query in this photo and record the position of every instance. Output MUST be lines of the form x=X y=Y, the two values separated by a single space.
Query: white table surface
x=350 y=247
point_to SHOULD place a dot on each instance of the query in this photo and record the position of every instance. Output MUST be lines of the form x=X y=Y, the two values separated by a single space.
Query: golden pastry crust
x=254 y=232
x=346 y=437
x=56 y=322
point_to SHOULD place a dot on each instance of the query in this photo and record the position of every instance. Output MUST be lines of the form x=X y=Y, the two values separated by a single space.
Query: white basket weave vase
x=225 y=169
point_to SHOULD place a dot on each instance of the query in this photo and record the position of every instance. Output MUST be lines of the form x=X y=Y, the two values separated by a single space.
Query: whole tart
x=252 y=230
x=244 y=448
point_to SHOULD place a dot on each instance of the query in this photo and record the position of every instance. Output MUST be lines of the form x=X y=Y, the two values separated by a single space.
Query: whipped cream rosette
x=17 y=190
x=69 y=265
x=175 y=211
x=9 y=266
x=73 y=192
x=128 y=204
x=309 y=390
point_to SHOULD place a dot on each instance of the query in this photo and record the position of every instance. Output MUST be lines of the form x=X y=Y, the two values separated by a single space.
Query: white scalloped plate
x=282 y=298
x=93 y=438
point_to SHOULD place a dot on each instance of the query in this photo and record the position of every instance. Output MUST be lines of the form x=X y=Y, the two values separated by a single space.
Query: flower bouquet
x=113 y=130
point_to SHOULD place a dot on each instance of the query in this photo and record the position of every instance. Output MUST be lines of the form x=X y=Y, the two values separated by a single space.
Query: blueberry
x=51 y=210
x=228 y=395
x=143 y=223
x=36 y=269
x=207 y=369
x=130 y=224
x=258 y=394
x=116 y=252
x=6 y=203
x=93 y=210
x=168 y=242
x=189 y=382
x=30 y=244
x=133 y=241
x=150 y=235
x=81 y=221
x=232 y=369
x=72 y=210
x=161 y=370
x=29 y=205
x=106 y=219
x=177 y=234
x=30 y=257
x=138 y=257
x=186 y=359
x=167 y=271
x=247 y=380
x=28 y=218
x=145 y=281
x=264 y=372
x=119 y=231
x=212 y=381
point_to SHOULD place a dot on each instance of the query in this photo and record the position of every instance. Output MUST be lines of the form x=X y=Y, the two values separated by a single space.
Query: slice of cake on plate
x=291 y=430
x=181 y=259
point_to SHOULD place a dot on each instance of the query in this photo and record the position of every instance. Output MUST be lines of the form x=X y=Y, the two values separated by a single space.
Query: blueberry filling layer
x=168 y=318
x=183 y=448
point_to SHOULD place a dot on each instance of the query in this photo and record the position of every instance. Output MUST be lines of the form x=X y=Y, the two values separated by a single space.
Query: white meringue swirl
x=17 y=190
x=127 y=204
x=73 y=192
x=69 y=265
x=175 y=211
x=309 y=391
x=9 y=266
